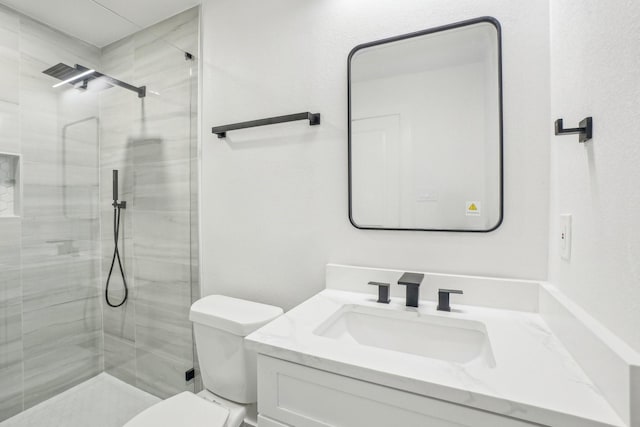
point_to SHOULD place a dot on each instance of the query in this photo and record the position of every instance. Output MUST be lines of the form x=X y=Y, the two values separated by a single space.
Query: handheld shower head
x=117 y=204
x=115 y=186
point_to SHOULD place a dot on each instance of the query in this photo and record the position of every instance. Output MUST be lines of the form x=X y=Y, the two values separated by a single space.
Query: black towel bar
x=314 y=119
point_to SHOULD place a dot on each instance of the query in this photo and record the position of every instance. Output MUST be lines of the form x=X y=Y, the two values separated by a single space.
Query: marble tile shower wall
x=50 y=312
x=152 y=142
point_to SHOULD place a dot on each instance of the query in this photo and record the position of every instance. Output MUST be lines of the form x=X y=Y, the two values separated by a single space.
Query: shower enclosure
x=58 y=150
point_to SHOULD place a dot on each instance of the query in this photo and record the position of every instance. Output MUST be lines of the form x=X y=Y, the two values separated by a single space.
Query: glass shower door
x=151 y=141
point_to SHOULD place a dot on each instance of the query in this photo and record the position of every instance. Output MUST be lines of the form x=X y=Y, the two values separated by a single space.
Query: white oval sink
x=437 y=337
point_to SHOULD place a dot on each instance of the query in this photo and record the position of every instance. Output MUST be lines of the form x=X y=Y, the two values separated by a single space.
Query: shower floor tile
x=102 y=401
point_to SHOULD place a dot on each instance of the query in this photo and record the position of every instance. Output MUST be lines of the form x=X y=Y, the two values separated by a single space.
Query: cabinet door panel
x=305 y=397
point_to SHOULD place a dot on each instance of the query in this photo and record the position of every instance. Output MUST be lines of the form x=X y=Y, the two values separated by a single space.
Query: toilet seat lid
x=184 y=410
x=236 y=316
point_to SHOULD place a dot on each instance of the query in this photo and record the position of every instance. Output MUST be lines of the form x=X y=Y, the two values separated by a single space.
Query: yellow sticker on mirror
x=473 y=208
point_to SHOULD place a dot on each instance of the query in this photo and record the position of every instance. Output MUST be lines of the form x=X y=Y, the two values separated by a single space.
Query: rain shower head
x=73 y=75
x=61 y=71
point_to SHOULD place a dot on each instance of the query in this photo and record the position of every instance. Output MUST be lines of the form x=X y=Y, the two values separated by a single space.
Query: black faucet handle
x=451 y=291
x=383 y=291
x=411 y=279
x=443 y=298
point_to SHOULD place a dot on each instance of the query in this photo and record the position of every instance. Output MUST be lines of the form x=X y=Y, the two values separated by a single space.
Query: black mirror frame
x=491 y=20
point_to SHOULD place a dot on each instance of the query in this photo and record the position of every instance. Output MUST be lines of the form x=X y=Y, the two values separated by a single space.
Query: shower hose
x=116 y=256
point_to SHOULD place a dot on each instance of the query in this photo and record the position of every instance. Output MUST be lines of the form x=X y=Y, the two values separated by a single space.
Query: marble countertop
x=534 y=377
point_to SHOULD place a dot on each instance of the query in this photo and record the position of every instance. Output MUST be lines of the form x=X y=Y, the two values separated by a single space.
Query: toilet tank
x=220 y=324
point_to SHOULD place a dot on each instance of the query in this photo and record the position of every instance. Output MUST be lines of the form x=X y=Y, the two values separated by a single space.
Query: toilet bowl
x=228 y=369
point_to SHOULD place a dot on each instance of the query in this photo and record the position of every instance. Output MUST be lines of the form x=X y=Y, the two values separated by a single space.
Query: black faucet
x=443 y=298
x=412 y=282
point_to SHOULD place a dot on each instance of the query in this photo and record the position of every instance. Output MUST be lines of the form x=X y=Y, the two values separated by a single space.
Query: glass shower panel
x=148 y=341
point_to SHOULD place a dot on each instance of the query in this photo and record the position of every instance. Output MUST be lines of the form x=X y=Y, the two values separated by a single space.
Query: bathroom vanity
x=497 y=359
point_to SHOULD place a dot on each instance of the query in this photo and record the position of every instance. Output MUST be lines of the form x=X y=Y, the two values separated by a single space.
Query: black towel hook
x=585 y=129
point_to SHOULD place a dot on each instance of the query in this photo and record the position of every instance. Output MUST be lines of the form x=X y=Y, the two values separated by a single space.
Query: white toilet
x=228 y=370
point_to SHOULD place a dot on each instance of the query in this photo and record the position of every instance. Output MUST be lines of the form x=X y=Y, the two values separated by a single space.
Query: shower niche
x=9 y=185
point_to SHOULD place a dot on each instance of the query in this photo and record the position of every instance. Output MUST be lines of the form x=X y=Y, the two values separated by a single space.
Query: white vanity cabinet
x=295 y=395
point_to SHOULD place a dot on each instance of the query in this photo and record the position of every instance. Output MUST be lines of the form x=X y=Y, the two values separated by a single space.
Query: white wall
x=274 y=200
x=595 y=58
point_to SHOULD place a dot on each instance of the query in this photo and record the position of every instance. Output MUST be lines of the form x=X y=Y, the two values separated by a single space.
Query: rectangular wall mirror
x=425 y=130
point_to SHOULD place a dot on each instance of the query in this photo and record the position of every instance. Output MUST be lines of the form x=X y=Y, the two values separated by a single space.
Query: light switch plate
x=565 y=236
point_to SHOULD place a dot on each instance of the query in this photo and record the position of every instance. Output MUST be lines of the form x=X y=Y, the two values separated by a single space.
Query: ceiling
x=93 y=22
